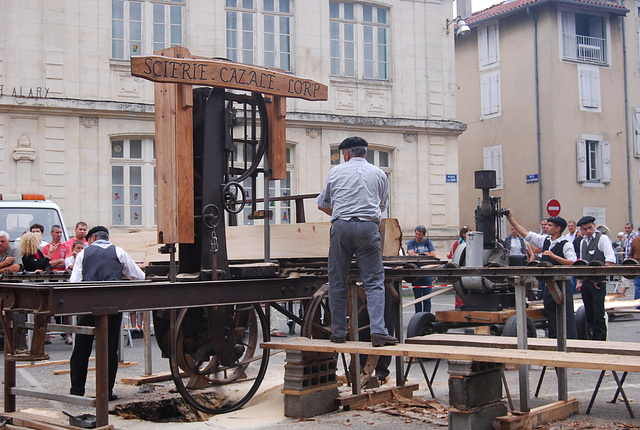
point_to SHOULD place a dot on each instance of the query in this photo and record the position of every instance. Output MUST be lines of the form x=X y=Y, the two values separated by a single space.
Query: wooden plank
x=149 y=379
x=376 y=396
x=618 y=304
x=65 y=398
x=538 y=416
x=428 y=296
x=48 y=363
x=575 y=360
x=225 y=74
x=391 y=235
x=311 y=390
x=287 y=241
x=485 y=317
x=40 y=422
x=542 y=344
x=277 y=112
x=121 y=365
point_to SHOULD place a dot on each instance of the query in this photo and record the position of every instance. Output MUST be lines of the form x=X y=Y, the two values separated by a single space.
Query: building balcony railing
x=584 y=48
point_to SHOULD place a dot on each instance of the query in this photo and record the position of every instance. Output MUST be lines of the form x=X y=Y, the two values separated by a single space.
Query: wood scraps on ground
x=430 y=411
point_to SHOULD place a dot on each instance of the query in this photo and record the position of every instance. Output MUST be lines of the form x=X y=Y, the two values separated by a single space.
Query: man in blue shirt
x=421 y=286
x=355 y=195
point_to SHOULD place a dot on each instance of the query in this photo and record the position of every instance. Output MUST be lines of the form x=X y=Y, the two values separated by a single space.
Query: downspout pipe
x=537 y=77
x=626 y=115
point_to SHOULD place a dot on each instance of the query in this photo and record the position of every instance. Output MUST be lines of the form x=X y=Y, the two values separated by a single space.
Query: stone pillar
x=24 y=155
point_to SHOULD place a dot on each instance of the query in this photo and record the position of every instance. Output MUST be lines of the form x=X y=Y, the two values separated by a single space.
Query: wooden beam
x=574 y=360
x=538 y=416
x=391 y=235
x=485 y=317
x=277 y=112
x=121 y=365
x=376 y=396
x=174 y=167
x=542 y=344
x=428 y=296
x=225 y=74
x=149 y=379
x=287 y=241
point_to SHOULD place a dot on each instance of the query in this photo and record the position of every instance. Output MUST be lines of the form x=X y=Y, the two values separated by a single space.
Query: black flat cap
x=96 y=229
x=351 y=142
x=559 y=221
x=585 y=220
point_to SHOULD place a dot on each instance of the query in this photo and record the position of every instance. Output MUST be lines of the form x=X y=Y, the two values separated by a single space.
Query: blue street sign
x=533 y=178
x=452 y=178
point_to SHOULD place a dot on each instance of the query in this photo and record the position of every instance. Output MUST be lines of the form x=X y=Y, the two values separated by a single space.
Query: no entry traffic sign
x=553 y=207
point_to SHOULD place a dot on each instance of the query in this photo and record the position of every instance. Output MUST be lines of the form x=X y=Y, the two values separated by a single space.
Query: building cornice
x=366 y=123
x=76 y=107
x=144 y=111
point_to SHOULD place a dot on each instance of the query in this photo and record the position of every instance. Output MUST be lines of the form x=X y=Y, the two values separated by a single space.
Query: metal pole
x=267 y=235
x=521 y=324
x=102 y=370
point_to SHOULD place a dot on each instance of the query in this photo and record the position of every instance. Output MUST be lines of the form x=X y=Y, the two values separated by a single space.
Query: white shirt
x=571 y=237
x=129 y=267
x=357 y=189
x=537 y=239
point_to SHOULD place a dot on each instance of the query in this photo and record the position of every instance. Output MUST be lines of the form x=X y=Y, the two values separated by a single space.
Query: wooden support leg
x=624 y=395
x=595 y=392
x=102 y=371
x=544 y=369
x=9 y=379
x=615 y=397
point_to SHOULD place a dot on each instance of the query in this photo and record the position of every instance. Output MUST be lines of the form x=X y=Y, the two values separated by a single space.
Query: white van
x=19 y=211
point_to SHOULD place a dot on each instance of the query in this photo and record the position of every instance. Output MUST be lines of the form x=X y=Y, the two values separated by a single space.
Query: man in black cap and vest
x=100 y=261
x=355 y=195
x=557 y=251
x=595 y=246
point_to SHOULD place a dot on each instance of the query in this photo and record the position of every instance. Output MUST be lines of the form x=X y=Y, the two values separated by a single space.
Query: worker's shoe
x=336 y=339
x=113 y=397
x=383 y=339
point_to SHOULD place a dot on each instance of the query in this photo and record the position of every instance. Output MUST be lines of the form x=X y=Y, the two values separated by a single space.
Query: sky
x=477 y=5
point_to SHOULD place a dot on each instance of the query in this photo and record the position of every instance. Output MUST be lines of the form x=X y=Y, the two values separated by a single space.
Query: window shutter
x=483 y=53
x=485 y=96
x=590 y=88
x=492 y=44
x=582 y=160
x=605 y=153
x=495 y=93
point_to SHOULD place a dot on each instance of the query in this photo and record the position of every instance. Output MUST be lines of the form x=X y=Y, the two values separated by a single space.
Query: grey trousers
x=362 y=239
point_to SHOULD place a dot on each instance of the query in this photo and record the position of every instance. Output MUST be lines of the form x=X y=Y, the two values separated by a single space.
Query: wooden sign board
x=226 y=74
x=174 y=71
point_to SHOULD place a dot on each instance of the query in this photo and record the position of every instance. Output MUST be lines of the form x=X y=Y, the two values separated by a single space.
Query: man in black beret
x=557 y=251
x=100 y=261
x=355 y=195
x=595 y=246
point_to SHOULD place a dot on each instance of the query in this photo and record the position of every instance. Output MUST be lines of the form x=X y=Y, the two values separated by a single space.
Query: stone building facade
x=77 y=127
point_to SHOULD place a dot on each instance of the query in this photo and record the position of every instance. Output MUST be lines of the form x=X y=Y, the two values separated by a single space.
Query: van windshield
x=17 y=221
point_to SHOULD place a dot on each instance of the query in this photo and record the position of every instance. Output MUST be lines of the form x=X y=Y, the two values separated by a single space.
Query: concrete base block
x=481 y=418
x=467 y=392
x=309 y=405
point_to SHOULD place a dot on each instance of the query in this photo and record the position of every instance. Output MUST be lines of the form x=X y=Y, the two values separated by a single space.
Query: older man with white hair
x=10 y=257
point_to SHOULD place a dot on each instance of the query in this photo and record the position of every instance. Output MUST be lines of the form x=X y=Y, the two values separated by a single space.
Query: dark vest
x=557 y=250
x=101 y=264
x=591 y=252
